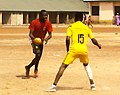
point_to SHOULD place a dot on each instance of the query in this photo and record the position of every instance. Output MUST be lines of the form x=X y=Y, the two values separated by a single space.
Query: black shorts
x=37 y=49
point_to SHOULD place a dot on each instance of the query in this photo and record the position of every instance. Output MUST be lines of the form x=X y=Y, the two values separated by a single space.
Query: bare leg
x=60 y=73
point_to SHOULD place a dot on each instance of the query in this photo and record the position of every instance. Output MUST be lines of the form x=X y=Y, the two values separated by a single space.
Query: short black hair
x=78 y=16
x=42 y=11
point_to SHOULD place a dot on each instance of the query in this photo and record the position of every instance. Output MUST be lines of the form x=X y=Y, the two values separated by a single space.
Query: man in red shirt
x=38 y=29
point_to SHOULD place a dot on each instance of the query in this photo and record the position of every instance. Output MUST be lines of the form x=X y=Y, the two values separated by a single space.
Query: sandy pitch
x=15 y=53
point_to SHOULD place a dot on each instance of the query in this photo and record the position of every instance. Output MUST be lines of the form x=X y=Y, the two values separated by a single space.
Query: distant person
x=117 y=19
x=38 y=29
x=89 y=22
x=84 y=19
x=78 y=33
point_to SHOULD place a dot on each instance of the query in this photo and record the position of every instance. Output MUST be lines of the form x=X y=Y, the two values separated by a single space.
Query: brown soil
x=16 y=52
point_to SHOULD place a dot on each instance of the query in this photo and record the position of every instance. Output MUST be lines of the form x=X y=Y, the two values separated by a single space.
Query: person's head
x=43 y=15
x=89 y=16
x=78 y=17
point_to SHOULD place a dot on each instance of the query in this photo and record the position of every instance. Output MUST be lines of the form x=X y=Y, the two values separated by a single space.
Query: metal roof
x=102 y=0
x=49 y=5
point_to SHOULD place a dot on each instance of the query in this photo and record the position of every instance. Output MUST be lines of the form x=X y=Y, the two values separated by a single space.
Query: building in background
x=22 y=12
x=103 y=11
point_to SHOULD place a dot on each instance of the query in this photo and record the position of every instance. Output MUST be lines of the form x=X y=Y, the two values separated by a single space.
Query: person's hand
x=46 y=41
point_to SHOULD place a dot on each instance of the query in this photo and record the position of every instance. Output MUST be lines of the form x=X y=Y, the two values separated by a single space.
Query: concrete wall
x=25 y=18
x=16 y=19
x=106 y=12
x=116 y=3
x=95 y=19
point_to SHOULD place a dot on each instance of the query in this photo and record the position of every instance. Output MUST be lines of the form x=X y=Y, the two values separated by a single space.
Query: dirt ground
x=16 y=52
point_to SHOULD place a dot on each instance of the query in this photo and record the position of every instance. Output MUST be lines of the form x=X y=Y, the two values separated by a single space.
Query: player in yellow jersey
x=79 y=33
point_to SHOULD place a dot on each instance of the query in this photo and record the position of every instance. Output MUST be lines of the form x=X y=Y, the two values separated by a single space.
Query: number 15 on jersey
x=81 y=38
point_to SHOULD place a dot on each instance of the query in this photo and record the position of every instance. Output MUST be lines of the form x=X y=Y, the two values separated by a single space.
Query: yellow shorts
x=70 y=57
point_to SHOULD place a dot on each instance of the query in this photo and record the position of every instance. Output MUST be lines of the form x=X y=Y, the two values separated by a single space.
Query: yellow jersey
x=79 y=34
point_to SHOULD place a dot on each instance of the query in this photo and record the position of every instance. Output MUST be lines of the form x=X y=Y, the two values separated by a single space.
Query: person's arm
x=95 y=42
x=67 y=43
x=48 y=37
x=32 y=29
x=31 y=35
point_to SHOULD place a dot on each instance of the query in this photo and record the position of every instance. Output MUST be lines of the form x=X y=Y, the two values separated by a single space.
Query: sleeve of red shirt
x=50 y=29
x=31 y=26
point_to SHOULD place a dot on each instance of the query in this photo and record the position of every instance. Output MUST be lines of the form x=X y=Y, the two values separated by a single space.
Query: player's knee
x=85 y=64
x=38 y=56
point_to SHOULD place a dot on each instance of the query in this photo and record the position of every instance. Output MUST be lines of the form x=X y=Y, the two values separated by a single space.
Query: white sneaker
x=52 y=89
x=93 y=87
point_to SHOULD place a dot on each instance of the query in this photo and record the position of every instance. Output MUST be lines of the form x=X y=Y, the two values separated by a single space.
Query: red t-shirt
x=40 y=29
